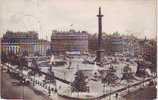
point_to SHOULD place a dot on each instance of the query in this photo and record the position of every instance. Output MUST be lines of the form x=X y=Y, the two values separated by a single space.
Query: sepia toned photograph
x=78 y=49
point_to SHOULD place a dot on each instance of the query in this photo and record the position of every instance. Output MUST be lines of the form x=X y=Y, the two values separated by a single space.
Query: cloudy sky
x=126 y=16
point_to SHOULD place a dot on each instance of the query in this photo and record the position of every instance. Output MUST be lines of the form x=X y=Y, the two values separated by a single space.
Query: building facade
x=41 y=47
x=19 y=42
x=69 y=41
x=24 y=42
x=119 y=44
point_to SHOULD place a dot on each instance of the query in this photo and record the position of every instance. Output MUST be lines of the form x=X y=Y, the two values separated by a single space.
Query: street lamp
x=128 y=88
x=110 y=92
x=144 y=76
x=64 y=75
x=22 y=76
x=49 y=90
x=104 y=88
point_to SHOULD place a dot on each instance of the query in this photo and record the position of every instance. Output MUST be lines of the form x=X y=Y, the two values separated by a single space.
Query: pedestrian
x=55 y=90
x=59 y=87
x=49 y=90
x=116 y=95
x=52 y=89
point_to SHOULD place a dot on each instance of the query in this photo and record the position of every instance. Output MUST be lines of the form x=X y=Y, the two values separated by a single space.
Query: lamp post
x=104 y=88
x=64 y=75
x=22 y=78
x=110 y=92
x=34 y=78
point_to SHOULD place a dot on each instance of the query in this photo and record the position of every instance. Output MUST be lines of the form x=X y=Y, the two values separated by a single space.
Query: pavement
x=10 y=89
x=147 y=93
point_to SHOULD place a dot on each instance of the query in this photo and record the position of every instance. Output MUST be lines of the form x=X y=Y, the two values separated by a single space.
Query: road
x=10 y=90
x=148 y=93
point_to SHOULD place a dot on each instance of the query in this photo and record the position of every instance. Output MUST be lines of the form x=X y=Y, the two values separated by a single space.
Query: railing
x=125 y=88
x=60 y=79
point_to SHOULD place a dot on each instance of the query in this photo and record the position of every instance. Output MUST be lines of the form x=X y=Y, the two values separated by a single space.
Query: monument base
x=100 y=56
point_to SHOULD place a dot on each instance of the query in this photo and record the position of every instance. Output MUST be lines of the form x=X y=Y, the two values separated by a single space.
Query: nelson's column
x=99 y=46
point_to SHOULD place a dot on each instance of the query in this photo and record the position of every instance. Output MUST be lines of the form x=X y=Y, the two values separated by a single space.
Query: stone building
x=41 y=47
x=69 y=41
x=19 y=42
x=119 y=44
x=24 y=43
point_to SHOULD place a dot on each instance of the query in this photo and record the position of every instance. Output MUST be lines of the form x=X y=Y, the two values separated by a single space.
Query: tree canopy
x=79 y=83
